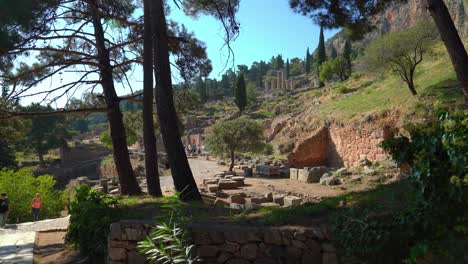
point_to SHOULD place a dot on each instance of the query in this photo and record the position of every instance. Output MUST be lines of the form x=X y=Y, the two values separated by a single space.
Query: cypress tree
x=321 y=55
x=307 y=61
x=287 y=69
x=240 y=93
x=347 y=56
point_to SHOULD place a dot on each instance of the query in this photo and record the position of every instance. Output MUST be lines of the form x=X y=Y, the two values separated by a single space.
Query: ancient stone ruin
x=279 y=82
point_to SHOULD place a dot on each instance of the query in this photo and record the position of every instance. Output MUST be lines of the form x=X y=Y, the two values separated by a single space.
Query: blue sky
x=268 y=27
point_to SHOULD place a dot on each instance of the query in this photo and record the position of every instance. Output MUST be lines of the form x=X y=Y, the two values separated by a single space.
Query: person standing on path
x=4 y=209
x=36 y=207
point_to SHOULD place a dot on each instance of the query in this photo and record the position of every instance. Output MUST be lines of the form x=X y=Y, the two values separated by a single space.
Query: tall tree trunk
x=168 y=122
x=128 y=183
x=151 y=154
x=452 y=41
x=232 y=161
x=41 y=159
x=411 y=87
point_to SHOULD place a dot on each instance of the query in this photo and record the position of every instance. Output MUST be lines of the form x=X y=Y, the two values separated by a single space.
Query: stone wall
x=350 y=144
x=312 y=151
x=339 y=145
x=234 y=244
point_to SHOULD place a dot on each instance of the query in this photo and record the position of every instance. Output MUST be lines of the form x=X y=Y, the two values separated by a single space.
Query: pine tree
x=347 y=56
x=279 y=62
x=321 y=55
x=241 y=94
x=307 y=61
x=287 y=69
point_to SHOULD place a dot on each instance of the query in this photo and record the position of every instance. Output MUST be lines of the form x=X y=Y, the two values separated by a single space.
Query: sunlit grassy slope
x=370 y=94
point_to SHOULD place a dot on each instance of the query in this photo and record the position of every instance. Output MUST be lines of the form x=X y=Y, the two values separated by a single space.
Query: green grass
x=435 y=80
x=392 y=197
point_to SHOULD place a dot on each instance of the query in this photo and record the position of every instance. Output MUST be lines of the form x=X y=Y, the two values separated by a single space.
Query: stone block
x=292 y=201
x=207 y=181
x=259 y=200
x=135 y=258
x=237 y=198
x=115 y=231
x=269 y=197
x=269 y=205
x=293 y=173
x=212 y=187
x=117 y=254
x=223 y=257
x=237 y=206
x=237 y=261
x=278 y=199
x=265 y=261
x=207 y=251
x=230 y=247
x=228 y=184
x=329 y=180
x=201 y=238
x=312 y=175
x=273 y=237
x=249 y=251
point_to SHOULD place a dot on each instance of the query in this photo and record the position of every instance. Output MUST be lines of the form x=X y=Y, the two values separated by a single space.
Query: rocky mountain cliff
x=401 y=16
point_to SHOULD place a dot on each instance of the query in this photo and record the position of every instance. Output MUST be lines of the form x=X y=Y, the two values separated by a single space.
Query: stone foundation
x=233 y=244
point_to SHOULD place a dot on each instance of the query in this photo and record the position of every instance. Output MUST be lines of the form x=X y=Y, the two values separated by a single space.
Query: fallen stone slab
x=212 y=187
x=259 y=200
x=292 y=201
x=228 y=184
x=269 y=205
x=237 y=198
x=207 y=181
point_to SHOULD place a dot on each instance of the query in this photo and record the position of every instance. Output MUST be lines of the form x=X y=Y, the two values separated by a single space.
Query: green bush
x=341 y=89
x=91 y=213
x=21 y=187
x=434 y=221
x=169 y=240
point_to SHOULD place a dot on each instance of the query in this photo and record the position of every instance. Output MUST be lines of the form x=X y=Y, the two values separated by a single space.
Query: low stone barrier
x=216 y=243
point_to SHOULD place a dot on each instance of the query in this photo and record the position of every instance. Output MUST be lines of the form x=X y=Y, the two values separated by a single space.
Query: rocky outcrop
x=400 y=16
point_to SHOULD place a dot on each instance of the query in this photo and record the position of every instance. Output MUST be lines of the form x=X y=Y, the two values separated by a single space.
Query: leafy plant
x=21 y=187
x=91 y=213
x=168 y=242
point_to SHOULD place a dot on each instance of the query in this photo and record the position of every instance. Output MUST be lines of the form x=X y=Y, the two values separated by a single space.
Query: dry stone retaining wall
x=233 y=244
x=337 y=146
x=353 y=144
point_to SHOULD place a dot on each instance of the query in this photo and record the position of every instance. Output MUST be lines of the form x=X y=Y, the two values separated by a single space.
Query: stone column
x=291 y=86
x=278 y=79
x=265 y=82
x=273 y=83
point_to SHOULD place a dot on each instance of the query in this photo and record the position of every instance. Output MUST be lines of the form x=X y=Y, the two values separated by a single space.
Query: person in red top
x=36 y=207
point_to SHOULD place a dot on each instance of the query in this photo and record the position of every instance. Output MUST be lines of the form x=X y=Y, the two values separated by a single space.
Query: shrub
x=168 y=242
x=341 y=89
x=91 y=213
x=434 y=221
x=21 y=187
